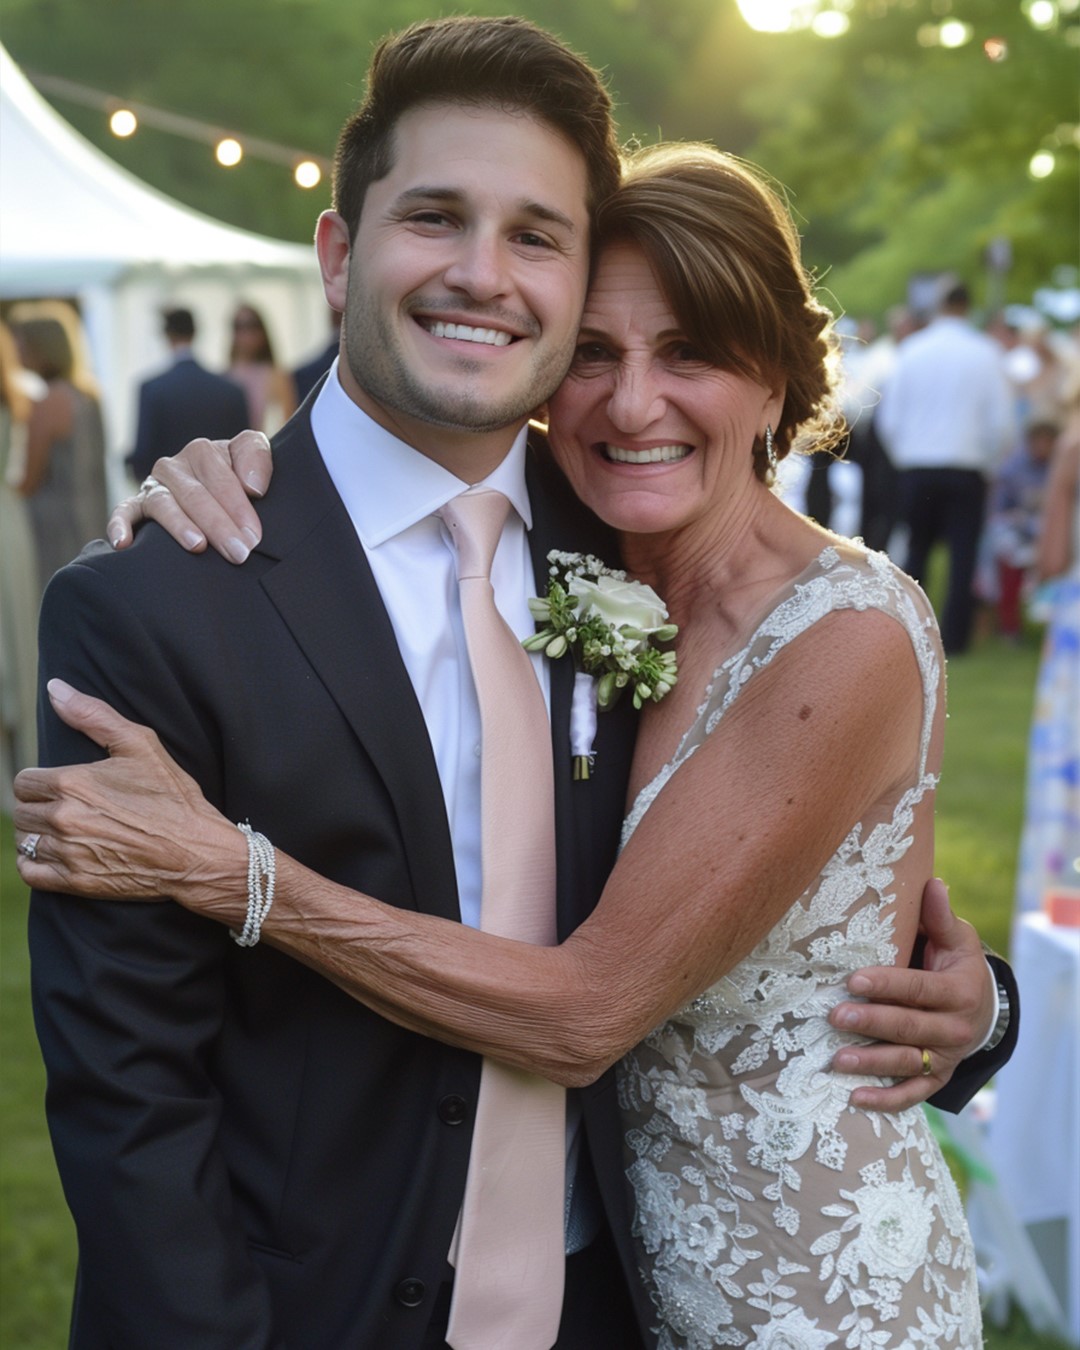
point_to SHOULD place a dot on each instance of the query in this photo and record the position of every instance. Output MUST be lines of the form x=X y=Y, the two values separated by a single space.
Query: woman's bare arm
x=50 y=420
x=740 y=831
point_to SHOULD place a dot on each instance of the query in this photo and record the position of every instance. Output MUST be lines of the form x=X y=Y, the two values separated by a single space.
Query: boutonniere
x=609 y=625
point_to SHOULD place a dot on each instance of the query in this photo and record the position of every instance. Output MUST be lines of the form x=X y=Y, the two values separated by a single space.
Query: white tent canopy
x=76 y=225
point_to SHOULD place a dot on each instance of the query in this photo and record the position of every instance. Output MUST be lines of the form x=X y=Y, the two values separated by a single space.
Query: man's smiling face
x=466 y=278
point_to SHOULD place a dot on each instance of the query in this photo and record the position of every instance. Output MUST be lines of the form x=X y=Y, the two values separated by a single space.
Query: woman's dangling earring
x=770 y=457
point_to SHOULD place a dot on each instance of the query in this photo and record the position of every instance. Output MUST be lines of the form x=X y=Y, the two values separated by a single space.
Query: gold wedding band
x=927 y=1064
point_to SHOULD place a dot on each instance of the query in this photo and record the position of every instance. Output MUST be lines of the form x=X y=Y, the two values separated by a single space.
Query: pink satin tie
x=509 y=1250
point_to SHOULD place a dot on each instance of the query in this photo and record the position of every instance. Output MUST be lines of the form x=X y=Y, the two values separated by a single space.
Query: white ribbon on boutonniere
x=583 y=710
x=609 y=624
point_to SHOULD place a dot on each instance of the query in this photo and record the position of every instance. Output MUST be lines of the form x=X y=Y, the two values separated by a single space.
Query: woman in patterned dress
x=780 y=831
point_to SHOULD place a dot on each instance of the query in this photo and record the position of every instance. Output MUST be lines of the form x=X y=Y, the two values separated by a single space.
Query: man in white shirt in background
x=946 y=418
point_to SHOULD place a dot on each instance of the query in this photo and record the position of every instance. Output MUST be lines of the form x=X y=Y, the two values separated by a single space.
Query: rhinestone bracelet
x=261 y=876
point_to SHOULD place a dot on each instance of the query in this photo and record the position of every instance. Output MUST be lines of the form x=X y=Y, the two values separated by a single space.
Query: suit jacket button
x=453 y=1109
x=409 y=1293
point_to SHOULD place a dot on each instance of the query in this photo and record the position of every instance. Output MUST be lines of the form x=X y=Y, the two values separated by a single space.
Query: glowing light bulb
x=1042 y=13
x=123 y=123
x=768 y=16
x=953 y=33
x=307 y=174
x=830 y=23
x=228 y=152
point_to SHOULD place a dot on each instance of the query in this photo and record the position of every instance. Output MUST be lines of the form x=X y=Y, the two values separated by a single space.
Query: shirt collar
x=386 y=485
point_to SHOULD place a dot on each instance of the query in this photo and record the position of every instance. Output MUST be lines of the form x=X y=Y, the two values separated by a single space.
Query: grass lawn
x=980 y=806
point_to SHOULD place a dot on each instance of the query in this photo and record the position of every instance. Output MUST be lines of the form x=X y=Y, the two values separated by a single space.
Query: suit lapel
x=587 y=813
x=323 y=588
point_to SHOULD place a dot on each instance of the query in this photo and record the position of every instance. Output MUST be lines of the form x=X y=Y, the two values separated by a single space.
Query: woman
x=64 y=476
x=779 y=837
x=270 y=392
x=1050 y=844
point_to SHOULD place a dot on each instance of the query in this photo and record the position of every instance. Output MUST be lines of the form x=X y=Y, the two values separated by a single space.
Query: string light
x=307 y=174
x=123 y=123
x=228 y=152
x=1041 y=13
x=953 y=33
x=830 y=23
x=126 y=117
x=1042 y=164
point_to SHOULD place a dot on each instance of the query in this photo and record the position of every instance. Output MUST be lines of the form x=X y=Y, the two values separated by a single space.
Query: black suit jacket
x=252 y=1158
x=185 y=402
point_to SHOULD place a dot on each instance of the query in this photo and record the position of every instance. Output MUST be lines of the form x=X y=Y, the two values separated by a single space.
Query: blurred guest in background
x=1036 y=373
x=946 y=417
x=183 y=402
x=1014 y=523
x=271 y=395
x=63 y=479
x=1051 y=837
x=880 y=503
x=307 y=376
x=19 y=588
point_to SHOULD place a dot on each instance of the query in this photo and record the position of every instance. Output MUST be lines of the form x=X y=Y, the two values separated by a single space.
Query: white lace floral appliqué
x=770 y=1214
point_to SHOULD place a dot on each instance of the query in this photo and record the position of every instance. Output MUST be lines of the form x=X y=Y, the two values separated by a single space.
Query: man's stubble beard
x=378 y=366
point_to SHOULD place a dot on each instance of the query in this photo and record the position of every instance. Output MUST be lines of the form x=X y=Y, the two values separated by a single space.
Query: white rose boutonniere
x=609 y=624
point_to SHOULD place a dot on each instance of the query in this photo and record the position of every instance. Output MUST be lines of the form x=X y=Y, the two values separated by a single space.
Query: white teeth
x=491 y=337
x=659 y=454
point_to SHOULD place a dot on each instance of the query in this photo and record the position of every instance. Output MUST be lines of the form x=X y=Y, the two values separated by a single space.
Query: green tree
x=905 y=159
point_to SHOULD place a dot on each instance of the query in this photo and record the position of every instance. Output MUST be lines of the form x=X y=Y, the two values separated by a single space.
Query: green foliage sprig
x=609 y=625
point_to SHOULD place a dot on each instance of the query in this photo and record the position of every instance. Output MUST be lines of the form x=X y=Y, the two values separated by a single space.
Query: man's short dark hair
x=957 y=297
x=479 y=62
x=178 y=323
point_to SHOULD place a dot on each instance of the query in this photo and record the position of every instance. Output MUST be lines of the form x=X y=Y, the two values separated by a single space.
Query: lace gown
x=768 y=1212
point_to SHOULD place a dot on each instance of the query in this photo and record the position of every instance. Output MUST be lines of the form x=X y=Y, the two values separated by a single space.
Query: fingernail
x=846 y=1060
x=237 y=550
x=192 y=539
x=255 y=483
x=250 y=536
x=116 y=536
x=848 y=1018
x=59 y=691
x=859 y=984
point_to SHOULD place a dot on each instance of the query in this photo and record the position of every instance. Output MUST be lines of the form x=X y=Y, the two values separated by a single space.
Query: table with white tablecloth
x=1034 y=1137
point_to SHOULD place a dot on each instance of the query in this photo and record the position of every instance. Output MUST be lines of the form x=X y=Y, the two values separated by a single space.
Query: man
x=254 y=1159
x=946 y=418
x=183 y=401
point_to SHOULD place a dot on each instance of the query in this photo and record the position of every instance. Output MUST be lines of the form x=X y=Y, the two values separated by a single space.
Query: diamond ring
x=28 y=847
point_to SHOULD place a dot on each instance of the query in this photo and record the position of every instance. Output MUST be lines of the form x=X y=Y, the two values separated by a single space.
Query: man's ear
x=333 y=247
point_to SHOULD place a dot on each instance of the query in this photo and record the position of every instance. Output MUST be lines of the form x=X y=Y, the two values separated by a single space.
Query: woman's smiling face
x=650 y=434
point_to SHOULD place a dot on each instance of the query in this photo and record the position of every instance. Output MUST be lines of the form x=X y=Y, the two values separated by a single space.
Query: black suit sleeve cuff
x=977 y=1070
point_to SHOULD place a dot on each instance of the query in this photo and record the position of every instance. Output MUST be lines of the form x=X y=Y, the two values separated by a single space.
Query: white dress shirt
x=391 y=491
x=948 y=403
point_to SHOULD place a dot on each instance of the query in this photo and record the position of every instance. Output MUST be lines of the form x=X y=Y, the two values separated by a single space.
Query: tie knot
x=476 y=520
